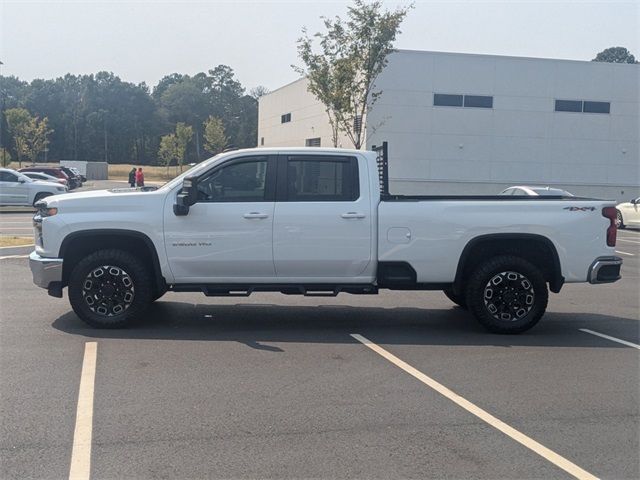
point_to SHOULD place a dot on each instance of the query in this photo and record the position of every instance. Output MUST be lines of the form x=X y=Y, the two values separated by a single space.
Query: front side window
x=8 y=177
x=242 y=181
x=322 y=179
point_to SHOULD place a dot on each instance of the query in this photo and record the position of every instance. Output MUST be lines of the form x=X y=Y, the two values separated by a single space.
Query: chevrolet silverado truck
x=313 y=221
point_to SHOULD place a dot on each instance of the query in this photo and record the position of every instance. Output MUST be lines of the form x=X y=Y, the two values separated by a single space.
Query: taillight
x=610 y=213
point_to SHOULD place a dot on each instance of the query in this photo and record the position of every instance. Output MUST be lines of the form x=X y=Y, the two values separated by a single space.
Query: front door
x=323 y=227
x=227 y=235
x=12 y=191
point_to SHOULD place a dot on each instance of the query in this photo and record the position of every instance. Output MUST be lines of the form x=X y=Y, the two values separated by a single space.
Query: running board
x=313 y=290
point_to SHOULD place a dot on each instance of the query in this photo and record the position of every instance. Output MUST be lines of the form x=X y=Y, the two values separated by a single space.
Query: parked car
x=18 y=189
x=536 y=191
x=54 y=172
x=74 y=177
x=316 y=222
x=628 y=213
x=77 y=172
x=46 y=178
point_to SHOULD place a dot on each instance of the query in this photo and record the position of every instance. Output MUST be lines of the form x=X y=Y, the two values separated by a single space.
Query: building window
x=445 y=100
x=478 y=101
x=312 y=142
x=357 y=123
x=261 y=141
x=596 y=107
x=286 y=118
x=585 y=106
x=568 y=105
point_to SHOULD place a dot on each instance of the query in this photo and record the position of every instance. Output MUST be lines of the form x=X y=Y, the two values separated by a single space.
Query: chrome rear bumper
x=605 y=270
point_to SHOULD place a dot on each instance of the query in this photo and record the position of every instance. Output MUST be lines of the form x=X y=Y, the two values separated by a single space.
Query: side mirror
x=633 y=201
x=187 y=197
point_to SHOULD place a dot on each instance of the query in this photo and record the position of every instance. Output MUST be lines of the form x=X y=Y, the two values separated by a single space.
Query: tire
x=520 y=282
x=459 y=300
x=619 y=220
x=110 y=289
x=40 y=196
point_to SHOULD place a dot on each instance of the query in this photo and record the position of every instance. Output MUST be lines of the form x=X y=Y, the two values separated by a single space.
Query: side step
x=313 y=290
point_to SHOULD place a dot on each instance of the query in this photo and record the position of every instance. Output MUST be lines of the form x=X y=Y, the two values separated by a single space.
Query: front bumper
x=47 y=272
x=605 y=270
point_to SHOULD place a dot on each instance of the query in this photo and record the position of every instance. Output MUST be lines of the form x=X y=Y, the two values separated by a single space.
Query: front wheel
x=619 y=220
x=110 y=288
x=507 y=294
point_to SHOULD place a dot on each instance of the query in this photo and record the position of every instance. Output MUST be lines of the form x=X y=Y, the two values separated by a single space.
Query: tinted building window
x=285 y=118
x=312 y=142
x=568 y=105
x=596 y=107
x=479 y=101
x=445 y=100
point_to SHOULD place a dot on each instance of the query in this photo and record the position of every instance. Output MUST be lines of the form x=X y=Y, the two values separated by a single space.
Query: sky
x=146 y=40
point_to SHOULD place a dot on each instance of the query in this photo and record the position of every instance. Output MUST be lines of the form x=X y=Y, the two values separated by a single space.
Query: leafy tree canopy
x=615 y=55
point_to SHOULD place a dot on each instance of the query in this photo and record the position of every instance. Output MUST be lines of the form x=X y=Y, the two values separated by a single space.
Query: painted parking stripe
x=625 y=253
x=519 y=437
x=629 y=241
x=81 y=452
x=6 y=257
x=613 y=339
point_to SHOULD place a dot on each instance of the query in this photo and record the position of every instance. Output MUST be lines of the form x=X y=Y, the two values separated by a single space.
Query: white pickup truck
x=314 y=221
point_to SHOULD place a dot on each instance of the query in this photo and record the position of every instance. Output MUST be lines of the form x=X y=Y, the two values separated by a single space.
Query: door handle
x=255 y=215
x=353 y=215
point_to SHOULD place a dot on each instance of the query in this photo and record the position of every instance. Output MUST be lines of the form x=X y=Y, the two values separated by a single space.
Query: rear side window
x=321 y=179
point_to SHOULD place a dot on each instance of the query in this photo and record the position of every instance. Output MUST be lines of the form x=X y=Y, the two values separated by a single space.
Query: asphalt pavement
x=274 y=386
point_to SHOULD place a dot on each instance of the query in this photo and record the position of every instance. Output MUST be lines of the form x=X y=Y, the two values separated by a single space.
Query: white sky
x=145 y=40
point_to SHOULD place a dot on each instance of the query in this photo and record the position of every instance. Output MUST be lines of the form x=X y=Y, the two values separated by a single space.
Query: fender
x=555 y=282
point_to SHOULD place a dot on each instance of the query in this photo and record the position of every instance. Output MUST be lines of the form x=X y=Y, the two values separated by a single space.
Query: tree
x=615 y=55
x=259 y=91
x=167 y=152
x=183 y=137
x=37 y=138
x=214 y=138
x=353 y=52
x=19 y=123
x=5 y=157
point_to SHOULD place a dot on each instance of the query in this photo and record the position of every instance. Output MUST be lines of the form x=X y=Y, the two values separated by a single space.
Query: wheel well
x=77 y=246
x=536 y=249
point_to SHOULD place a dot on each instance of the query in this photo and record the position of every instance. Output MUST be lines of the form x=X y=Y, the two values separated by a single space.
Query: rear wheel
x=619 y=220
x=507 y=294
x=459 y=300
x=110 y=288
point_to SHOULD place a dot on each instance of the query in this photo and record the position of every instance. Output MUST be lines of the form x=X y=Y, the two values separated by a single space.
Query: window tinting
x=8 y=177
x=285 y=118
x=238 y=182
x=445 y=100
x=480 y=101
x=312 y=142
x=322 y=179
x=596 y=107
x=568 y=105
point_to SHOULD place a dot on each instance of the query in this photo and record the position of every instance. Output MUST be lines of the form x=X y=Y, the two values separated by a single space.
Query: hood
x=121 y=199
x=48 y=183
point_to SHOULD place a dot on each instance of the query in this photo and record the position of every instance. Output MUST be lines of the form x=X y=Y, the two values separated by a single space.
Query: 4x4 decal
x=580 y=209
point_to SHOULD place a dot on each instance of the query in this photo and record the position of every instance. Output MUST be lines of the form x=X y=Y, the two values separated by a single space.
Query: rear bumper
x=47 y=272
x=605 y=270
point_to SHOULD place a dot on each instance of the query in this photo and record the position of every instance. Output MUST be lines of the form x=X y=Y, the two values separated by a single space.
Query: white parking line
x=13 y=256
x=613 y=339
x=519 y=437
x=625 y=253
x=629 y=241
x=81 y=452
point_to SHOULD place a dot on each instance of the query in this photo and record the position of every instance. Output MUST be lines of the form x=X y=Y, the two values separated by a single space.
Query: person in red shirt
x=139 y=178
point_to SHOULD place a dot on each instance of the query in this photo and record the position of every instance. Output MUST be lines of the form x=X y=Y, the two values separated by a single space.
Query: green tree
x=184 y=133
x=214 y=138
x=5 y=157
x=351 y=55
x=38 y=137
x=19 y=122
x=167 y=152
x=615 y=55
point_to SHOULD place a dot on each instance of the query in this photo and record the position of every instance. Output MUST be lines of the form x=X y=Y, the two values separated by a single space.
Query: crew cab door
x=12 y=190
x=322 y=225
x=227 y=234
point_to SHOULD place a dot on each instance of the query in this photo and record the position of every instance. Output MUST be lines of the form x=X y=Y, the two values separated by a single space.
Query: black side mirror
x=632 y=201
x=187 y=197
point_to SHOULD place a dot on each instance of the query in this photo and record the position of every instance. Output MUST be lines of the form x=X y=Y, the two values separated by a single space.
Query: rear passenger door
x=322 y=222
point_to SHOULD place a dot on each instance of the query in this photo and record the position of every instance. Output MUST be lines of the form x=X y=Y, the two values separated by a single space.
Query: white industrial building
x=476 y=124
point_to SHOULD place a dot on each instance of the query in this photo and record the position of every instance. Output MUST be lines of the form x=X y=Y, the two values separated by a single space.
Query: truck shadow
x=261 y=324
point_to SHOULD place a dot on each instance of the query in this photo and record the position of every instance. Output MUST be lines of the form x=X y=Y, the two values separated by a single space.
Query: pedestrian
x=132 y=177
x=139 y=178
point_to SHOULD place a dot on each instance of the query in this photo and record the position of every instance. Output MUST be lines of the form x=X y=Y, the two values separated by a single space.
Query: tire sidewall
x=619 y=220
x=481 y=276
x=127 y=262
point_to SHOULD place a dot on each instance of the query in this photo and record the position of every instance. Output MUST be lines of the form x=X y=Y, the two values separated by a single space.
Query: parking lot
x=400 y=385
